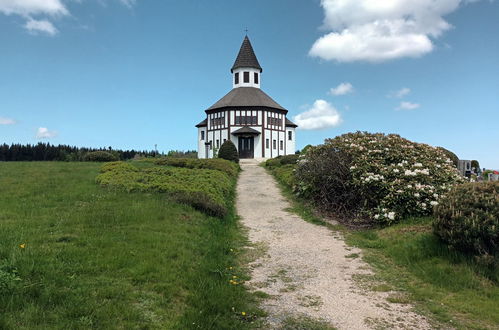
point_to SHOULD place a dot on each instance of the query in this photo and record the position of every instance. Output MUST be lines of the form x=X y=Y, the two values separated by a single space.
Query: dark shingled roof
x=246 y=97
x=289 y=123
x=246 y=130
x=246 y=57
x=204 y=123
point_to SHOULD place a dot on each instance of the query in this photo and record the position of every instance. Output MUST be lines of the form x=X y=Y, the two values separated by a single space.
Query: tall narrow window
x=290 y=135
x=218 y=143
x=281 y=145
x=236 y=78
x=267 y=143
x=256 y=77
x=274 y=144
x=211 y=145
x=246 y=77
x=202 y=135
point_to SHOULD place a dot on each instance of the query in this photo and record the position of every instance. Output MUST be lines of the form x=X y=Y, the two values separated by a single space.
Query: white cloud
x=341 y=89
x=7 y=121
x=408 y=106
x=38 y=12
x=41 y=26
x=33 y=7
x=44 y=133
x=321 y=115
x=400 y=93
x=375 y=31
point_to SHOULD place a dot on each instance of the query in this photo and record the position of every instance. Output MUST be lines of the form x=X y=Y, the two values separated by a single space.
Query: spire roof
x=246 y=57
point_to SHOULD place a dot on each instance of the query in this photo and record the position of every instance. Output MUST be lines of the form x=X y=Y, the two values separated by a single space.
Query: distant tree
x=475 y=164
x=228 y=151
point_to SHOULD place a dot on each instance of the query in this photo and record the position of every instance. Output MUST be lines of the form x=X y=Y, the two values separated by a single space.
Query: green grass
x=97 y=258
x=445 y=284
x=449 y=287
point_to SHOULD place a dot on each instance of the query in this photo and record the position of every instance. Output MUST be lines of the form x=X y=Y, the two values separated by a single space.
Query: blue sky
x=131 y=74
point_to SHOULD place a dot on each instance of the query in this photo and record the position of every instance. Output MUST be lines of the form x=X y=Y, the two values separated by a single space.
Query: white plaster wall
x=251 y=76
x=290 y=145
x=201 y=148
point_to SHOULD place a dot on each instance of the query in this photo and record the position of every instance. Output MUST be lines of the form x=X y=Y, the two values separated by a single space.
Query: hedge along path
x=305 y=268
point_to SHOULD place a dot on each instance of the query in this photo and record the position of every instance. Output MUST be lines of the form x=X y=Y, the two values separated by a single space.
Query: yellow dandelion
x=22 y=246
x=243 y=313
x=230 y=267
x=234 y=276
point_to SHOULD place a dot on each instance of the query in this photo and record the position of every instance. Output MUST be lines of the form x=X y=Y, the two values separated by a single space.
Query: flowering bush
x=467 y=219
x=380 y=177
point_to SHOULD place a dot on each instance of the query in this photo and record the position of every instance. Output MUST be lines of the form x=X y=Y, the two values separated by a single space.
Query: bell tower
x=246 y=71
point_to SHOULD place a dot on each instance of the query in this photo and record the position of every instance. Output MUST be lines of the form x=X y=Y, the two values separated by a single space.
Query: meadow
x=75 y=255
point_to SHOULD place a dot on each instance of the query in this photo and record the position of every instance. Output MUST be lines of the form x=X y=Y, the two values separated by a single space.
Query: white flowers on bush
x=396 y=177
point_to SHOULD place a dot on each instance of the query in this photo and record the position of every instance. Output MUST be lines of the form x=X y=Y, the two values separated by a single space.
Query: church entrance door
x=246 y=147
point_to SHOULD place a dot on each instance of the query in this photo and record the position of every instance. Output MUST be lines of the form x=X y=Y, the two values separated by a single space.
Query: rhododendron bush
x=377 y=177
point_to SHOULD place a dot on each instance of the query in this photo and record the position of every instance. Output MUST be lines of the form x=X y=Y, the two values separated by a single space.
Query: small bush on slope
x=467 y=219
x=375 y=176
x=228 y=167
x=228 y=151
x=99 y=156
x=205 y=189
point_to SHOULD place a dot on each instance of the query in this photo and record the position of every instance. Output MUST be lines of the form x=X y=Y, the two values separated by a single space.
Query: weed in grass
x=352 y=256
x=305 y=323
x=398 y=298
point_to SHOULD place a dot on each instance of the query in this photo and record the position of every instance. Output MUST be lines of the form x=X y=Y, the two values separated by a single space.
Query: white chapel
x=252 y=120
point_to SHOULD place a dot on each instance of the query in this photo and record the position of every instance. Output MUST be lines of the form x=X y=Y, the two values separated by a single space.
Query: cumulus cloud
x=7 y=121
x=376 y=31
x=45 y=133
x=40 y=26
x=408 y=106
x=400 y=93
x=321 y=115
x=341 y=89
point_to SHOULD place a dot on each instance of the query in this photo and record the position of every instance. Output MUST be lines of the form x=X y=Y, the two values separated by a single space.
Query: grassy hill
x=76 y=255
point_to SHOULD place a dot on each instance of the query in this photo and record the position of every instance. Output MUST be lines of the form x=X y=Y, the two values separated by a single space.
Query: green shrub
x=282 y=160
x=228 y=151
x=100 y=156
x=475 y=164
x=117 y=165
x=228 y=167
x=375 y=177
x=467 y=218
x=285 y=174
x=205 y=189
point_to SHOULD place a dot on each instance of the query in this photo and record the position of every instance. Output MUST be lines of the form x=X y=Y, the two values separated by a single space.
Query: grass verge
x=76 y=256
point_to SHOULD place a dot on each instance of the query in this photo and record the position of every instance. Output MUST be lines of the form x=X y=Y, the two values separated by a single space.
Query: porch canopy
x=246 y=130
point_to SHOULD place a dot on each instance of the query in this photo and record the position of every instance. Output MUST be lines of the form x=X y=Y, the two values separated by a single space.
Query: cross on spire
x=246 y=30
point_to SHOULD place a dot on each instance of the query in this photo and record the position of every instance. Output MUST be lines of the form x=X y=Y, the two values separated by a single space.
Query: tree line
x=48 y=152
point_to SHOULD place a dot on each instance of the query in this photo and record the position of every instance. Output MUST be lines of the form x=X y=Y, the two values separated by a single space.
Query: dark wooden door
x=246 y=147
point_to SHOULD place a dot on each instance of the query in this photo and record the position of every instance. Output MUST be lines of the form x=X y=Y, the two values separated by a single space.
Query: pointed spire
x=246 y=57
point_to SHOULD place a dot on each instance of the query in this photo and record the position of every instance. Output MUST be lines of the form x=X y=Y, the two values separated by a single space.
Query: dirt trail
x=307 y=270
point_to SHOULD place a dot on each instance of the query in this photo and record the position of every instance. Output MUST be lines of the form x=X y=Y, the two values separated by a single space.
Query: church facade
x=252 y=120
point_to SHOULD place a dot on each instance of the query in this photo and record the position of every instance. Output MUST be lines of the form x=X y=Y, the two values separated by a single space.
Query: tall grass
x=89 y=257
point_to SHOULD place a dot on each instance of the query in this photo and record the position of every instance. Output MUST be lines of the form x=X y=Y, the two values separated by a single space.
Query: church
x=252 y=120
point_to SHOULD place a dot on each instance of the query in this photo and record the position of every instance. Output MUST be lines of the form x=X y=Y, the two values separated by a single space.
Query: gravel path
x=307 y=270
